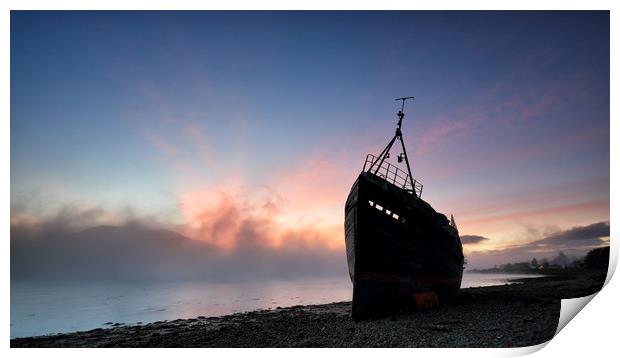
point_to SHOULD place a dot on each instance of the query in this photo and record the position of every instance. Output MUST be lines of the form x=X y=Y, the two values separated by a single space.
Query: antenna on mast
x=401 y=113
x=398 y=135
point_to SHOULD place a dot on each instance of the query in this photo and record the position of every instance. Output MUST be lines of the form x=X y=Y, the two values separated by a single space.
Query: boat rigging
x=410 y=184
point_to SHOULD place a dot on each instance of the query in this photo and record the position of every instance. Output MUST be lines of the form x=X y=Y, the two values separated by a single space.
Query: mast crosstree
x=397 y=135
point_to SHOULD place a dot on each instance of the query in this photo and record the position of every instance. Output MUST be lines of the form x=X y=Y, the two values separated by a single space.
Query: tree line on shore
x=596 y=259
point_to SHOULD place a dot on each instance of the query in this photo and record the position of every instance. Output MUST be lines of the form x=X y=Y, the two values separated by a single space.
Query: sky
x=242 y=133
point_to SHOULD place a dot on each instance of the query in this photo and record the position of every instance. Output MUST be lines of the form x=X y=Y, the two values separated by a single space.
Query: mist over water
x=39 y=308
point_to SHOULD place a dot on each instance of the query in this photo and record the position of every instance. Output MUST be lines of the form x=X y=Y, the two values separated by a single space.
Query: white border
x=594 y=329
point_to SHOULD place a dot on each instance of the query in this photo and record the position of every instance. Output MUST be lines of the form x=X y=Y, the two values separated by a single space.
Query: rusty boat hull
x=398 y=249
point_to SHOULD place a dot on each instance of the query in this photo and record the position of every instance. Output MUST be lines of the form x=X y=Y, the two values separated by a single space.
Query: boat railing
x=392 y=174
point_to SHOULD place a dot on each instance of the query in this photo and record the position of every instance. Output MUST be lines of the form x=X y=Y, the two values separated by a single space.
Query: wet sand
x=514 y=315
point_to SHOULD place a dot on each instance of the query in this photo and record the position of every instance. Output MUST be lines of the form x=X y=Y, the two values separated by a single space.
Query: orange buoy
x=426 y=300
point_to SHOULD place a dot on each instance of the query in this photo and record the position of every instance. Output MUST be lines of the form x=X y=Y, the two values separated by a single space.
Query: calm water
x=38 y=309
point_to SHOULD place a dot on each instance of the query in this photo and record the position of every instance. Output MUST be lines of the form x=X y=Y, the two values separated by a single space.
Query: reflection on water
x=43 y=308
x=492 y=279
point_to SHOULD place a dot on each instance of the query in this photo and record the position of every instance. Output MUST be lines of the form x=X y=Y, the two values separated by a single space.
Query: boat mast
x=398 y=135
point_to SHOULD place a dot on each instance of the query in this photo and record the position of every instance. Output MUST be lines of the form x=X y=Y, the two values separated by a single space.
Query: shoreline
x=519 y=314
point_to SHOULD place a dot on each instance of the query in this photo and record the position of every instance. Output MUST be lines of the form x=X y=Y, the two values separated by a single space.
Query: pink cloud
x=504 y=104
x=582 y=208
x=229 y=216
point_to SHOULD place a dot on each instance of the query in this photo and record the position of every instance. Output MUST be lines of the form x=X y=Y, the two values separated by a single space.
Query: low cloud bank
x=472 y=239
x=139 y=250
x=576 y=241
x=235 y=243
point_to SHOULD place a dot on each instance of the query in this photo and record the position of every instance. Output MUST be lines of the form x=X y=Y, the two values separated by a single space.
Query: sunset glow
x=251 y=135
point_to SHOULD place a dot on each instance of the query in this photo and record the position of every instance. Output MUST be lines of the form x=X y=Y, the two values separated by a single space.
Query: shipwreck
x=401 y=253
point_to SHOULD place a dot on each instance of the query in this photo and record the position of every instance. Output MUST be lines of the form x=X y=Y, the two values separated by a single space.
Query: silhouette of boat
x=400 y=251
